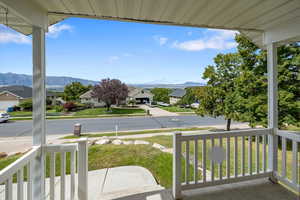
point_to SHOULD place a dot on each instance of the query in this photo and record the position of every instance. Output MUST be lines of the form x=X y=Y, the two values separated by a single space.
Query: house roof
x=23 y=91
x=86 y=95
x=18 y=90
x=252 y=18
x=139 y=93
x=178 y=92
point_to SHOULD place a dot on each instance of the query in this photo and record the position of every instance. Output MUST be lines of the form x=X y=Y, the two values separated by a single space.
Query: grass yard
x=102 y=111
x=91 y=135
x=105 y=156
x=29 y=113
x=176 y=109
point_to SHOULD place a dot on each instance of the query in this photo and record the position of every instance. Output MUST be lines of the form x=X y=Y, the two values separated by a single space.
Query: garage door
x=6 y=104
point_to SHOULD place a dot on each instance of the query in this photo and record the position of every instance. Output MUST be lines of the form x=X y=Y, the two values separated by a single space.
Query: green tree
x=26 y=104
x=161 y=94
x=251 y=85
x=218 y=97
x=73 y=91
x=190 y=96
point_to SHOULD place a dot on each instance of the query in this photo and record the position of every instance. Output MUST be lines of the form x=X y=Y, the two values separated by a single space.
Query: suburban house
x=140 y=95
x=251 y=165
x=176 y=95
x=11 y=96
x=87 y=98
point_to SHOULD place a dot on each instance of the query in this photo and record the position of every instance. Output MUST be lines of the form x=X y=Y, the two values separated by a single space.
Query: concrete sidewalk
x=110 y=183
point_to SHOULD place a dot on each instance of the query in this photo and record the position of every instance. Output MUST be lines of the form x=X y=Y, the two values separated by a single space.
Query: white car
x=4 y=117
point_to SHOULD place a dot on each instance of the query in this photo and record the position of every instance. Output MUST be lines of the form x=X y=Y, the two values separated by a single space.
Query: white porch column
x=272 y=107
x=39 y=109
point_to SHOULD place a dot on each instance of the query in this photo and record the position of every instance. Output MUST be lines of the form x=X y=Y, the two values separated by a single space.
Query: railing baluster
x=250 y=154
x=212 y=165
x=29 y=180
x=52 y=175
x=243 y=156
x=235 y=156
x=264 y=153
x=220 y=165
x=187 y=162
x=257 y=154
x=196 y=161
x=20 y=179
x=283 y=168
x=9 y=189
x=295 y=163
x=72 y=169
x=228 y=157
x=204 y=160
x=63 y=176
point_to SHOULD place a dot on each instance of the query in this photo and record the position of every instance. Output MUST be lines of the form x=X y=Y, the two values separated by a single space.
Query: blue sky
x=131 y=52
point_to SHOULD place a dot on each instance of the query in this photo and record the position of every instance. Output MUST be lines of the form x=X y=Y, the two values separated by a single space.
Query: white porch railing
x=236 y=166
x=291 y=180
x=26 y=162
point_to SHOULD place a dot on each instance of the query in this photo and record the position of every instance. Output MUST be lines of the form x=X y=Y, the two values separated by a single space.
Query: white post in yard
x=272 y=108
x=177 y=165
x=39 y=109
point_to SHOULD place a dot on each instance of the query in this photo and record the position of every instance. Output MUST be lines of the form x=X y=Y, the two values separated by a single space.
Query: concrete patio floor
x=259 y=189
x=137 y=183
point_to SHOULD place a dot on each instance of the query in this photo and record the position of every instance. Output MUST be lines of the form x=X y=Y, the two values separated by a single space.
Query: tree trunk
x=108 y=107
x=228 y=124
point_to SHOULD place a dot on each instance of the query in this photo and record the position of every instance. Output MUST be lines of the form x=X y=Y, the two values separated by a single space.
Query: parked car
x=4 y=117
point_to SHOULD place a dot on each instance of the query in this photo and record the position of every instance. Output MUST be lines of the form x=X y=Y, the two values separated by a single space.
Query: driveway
x=157 y=112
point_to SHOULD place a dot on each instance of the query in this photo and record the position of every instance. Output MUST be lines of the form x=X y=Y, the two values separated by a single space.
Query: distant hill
x=58 y=82
x=157 y=85
x=51 y=82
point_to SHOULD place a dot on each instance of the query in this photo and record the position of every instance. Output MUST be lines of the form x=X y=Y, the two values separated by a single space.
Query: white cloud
x=113 y=59
x=56 y=29
x=217 y=39
x=9 y=36
x=189 y=33
x=161 y=40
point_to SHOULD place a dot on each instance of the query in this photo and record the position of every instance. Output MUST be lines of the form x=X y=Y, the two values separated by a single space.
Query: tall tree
x=218 y=97
x=190 y=96
x=110 y=91
x=73 y=91
x=161 y=94
x=251 y=85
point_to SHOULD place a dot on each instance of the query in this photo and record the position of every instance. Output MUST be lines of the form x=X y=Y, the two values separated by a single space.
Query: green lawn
x=177 y=109
x=104 y=156
x=102 y=111
x=29 y=113
x=137 y=132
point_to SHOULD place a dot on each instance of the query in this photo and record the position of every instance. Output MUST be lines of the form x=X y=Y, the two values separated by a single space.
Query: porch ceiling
x=251 y=18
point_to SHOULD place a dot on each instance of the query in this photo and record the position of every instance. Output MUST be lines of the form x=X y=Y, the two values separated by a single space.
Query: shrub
x=26 y=105
x=58 y=108
x=69 y=106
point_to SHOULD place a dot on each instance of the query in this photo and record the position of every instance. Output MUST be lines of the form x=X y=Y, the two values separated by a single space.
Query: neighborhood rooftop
x=19 y=90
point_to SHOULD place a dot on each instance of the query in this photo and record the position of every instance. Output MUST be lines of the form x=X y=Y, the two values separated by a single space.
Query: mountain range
x=58 y=82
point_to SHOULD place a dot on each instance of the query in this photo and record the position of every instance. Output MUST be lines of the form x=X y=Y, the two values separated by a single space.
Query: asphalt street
x=65 y=126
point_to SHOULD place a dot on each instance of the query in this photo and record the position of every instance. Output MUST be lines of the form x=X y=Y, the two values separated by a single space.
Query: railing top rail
x=21 y=162
x=289 y=135
x=61 y=147
x=250 y=132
